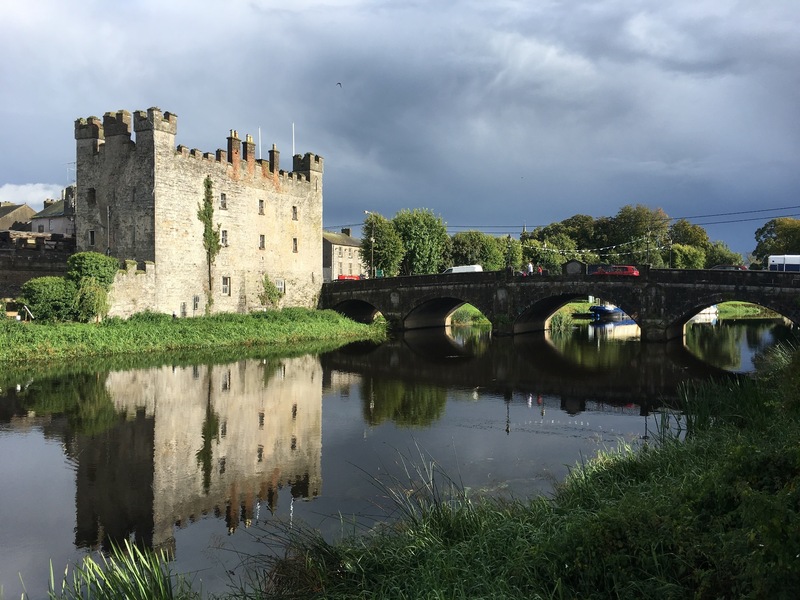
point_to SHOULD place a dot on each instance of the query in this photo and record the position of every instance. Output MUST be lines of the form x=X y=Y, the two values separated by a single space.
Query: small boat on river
x=606 y=312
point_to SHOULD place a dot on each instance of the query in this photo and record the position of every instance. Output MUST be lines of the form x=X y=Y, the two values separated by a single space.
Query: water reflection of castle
x=199 y=440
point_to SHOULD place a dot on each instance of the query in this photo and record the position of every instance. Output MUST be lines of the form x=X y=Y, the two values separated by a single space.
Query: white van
x=464 y=269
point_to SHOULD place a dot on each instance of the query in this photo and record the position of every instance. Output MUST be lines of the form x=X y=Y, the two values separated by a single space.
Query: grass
x=22 y=343
x=744 y=310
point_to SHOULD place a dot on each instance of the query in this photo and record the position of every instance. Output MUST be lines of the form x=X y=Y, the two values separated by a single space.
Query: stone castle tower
x=137 y=200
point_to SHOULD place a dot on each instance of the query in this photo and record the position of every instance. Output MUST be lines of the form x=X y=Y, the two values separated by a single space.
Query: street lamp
x=371 y=247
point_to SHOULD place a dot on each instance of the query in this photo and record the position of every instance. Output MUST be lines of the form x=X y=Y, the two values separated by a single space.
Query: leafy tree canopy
x=424 y=237
x=50 y=298
x=777 y=236
x=687 y=257
x=98 y=266
x=476 y=248
x=381 y=243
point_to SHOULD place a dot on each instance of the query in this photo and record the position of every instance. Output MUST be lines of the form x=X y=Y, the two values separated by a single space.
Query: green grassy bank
x=26 y=343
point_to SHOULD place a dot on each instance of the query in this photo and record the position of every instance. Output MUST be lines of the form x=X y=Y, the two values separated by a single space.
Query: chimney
x=346 y=230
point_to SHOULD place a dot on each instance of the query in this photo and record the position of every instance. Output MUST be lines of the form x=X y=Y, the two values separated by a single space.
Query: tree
x=475 y=247
x=777 y=236
x=687 y=257
x=689 y=234
x=381 y=246
x=98 y=266
x=637 y=234
x=718 y=253
x=552 y=252
x=424 y=237
x=211 y=234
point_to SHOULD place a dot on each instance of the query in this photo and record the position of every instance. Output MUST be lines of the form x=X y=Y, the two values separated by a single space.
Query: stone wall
x=18 y=267
x=134 y=290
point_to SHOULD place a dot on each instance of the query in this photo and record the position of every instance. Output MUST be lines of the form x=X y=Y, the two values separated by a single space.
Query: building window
x=294 y=244
x=339 y=251
x=223 y=202
x=261 y=420
x=226 y=381
x=223 y=429
x=294 y=412
x=91 y=197
x=183 y=309
x=262 y=241
x=40 y=228
x=349 y=253
x=222 y=465
x=260 y=207
x=294 y=442
x=260 y=453
x=224 y=238
x=196 y=303
x=294 y=213
x=91 y=237
x=226 y=286
x=281 y=285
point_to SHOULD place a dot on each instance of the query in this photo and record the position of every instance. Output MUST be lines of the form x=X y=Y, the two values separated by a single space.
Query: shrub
x=50 y=298
x=92 y=264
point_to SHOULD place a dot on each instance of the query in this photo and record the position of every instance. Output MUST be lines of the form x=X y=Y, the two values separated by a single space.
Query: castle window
x=226 y=286
x=226 y=381
x=260 y=206
x=262 y=241
x=261 y=420
x=281 y=285
x=91 y=237
x=260 y=453
x=294 y=244
x=224 y=238
x=91 y=197
x=183 y=309
x=223 y=429
x=195 y=303
x=223 y=202
x=294 y=213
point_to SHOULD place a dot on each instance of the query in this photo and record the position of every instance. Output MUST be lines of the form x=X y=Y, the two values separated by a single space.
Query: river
x=199 y=459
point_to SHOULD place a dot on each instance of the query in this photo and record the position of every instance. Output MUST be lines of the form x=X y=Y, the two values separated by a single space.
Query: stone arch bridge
x=661 y=301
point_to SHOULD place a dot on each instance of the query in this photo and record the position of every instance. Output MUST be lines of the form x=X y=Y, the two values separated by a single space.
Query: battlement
x=89 y=129
x=118 y=123
x=308 y=162
x=154 y=119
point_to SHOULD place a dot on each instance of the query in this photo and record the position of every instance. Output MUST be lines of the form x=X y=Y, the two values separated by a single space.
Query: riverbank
x=711 y=510
x=146 y=333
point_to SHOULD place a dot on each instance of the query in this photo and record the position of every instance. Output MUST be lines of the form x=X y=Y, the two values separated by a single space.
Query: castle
x=137 y=200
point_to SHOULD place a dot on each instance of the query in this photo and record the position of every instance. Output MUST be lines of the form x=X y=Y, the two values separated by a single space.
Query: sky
x=494 y=115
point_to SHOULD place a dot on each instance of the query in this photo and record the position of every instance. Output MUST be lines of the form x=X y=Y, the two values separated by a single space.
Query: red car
x=623 y=270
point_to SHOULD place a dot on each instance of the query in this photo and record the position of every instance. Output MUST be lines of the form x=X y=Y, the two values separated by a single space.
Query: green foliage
x=406 y=406
x=50 y=298
x=424 y=238
x=686 y=257
x=688 y=234
x=129 y=572
x=211 y=235
x=477 y=248
x=92 y=265
x=151 y=332
x=270 y=294
x=381 y=243
x=91 y=300
x=561 y=322
x=777 y=236
x=511 y=251
x=718 y=253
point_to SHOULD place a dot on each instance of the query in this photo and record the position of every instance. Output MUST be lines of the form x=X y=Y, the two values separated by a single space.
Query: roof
x=56 y=209
x=340 y=239
x=7 y=209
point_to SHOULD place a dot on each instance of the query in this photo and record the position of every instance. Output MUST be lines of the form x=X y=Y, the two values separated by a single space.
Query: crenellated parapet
x=154 y=120
x=118 y=123
x=89 y=129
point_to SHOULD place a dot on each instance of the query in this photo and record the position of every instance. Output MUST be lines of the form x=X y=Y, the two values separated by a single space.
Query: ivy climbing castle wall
x=137 y=200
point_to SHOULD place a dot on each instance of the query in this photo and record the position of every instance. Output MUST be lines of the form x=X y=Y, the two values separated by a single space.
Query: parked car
x=618 y=270
x=729 y=268
x=348 y=277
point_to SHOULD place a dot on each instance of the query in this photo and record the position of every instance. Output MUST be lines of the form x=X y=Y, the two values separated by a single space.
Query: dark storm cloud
x=488 y=113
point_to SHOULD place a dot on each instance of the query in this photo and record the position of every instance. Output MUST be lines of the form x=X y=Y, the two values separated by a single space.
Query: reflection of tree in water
x=82 y=398
x=391 y=400
x=578 y=349
x=474 y=340
x=209 y=433
x=717 y=345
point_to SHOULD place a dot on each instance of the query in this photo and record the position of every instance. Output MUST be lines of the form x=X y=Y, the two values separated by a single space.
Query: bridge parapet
x=659 y=300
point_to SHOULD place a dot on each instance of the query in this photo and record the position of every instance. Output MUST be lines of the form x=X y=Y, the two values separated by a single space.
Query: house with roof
x=58 y=216
x=15 y=217
x=341 y=255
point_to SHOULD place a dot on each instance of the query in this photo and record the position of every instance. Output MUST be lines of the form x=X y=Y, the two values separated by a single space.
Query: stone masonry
x=137 y=200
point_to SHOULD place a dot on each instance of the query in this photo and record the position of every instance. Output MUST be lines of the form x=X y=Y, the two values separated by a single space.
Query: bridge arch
x=358 y=310
x=435 y=311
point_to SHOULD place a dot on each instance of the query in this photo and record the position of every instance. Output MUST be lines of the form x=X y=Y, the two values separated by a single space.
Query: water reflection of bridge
x=528 y=364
